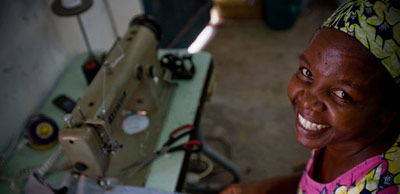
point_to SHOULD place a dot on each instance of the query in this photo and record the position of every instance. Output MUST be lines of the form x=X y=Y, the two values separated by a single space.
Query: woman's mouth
x=306 y=124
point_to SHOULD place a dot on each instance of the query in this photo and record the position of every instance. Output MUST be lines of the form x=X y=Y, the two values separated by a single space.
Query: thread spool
x=42 y=132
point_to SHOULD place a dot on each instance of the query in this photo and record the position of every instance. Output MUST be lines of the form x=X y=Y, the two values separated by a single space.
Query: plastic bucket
x=281 y=14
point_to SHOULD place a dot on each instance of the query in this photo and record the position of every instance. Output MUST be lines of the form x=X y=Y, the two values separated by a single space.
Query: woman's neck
x=333 y=161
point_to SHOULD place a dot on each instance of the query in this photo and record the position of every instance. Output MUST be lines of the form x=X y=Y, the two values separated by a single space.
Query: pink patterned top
x=379 y=174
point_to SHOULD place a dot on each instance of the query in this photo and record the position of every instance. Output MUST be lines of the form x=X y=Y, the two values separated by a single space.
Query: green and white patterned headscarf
x=375 y=23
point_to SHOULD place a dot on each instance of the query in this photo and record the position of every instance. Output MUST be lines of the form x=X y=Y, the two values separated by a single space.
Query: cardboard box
x=239 y=9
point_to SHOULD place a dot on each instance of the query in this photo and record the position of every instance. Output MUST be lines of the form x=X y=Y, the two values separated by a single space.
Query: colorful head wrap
x=375 y=23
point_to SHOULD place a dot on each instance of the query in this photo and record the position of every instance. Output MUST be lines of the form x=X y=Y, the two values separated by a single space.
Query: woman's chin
x=310 y=139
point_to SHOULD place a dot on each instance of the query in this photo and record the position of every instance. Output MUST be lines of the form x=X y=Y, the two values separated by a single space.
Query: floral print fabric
x=376 y=24
x=379 y=174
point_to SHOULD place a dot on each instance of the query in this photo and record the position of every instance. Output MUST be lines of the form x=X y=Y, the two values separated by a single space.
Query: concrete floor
x=250 y=108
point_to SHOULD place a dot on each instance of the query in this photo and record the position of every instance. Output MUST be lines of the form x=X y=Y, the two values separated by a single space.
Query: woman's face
x=336 y=93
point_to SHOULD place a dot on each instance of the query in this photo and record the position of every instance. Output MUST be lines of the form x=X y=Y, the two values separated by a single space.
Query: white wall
x=36 y=46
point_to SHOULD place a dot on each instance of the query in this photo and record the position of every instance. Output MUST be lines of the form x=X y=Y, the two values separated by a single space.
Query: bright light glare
x=201 y=40
x=206 y=34
x=214 y=17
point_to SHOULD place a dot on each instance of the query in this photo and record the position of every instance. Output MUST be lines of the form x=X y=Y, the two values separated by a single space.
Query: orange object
x=239 y=9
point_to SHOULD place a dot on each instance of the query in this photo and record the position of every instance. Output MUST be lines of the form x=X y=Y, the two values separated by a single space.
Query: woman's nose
x=311 y=102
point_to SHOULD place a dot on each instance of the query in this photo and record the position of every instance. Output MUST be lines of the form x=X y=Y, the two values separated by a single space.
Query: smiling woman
x=345 y=95
x=341 y=88
x=339 y=85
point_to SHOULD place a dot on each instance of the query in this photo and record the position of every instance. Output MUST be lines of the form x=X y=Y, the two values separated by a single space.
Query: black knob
x=80 y=166
x=139 y=73
x=148 y=21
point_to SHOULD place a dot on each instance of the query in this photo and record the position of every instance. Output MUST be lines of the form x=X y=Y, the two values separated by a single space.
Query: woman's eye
x=306 y=72
x=342 y=94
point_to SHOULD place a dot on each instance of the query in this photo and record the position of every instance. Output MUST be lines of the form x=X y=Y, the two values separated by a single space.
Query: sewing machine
x=95 y=139
x=130 y=81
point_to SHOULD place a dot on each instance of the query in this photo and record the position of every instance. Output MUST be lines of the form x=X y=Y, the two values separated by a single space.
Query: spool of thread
x=71 y=4
x=42 y=132
x=70 y=7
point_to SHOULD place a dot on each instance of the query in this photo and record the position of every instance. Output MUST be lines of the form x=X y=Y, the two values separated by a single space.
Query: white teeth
x=310 y=125
x=314 y=126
